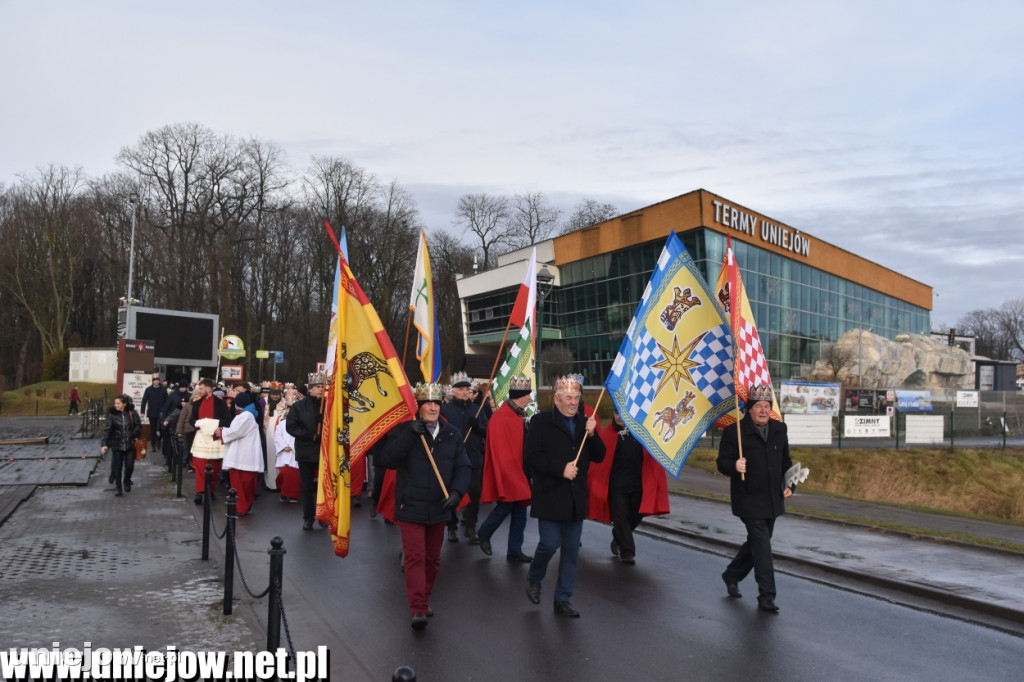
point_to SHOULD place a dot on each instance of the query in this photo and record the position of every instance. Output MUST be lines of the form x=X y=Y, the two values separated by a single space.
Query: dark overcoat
x=760 y=495
x=549 y=447
x=418 y=494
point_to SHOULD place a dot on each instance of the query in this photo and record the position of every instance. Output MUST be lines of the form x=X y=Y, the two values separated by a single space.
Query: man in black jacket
x=559 y=486
x=421 y=504
x=304 y=422
x=758 y=492
x=468 y=417
x=153 y=400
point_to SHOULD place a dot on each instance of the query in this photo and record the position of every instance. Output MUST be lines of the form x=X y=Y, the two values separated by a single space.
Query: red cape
x=504 y=478
x=655 y=497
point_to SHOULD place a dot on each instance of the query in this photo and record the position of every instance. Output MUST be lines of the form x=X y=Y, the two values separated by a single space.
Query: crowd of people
x=431 y=475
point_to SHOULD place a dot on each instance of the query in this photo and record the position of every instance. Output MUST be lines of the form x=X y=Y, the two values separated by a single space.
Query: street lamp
x=545 y=281
x=133 y=199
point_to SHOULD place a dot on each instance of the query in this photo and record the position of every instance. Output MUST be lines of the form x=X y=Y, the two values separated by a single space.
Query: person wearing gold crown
x=432 y=474
x=559 y=487
x=504 y=479
x=758 y=491
x=471 y=421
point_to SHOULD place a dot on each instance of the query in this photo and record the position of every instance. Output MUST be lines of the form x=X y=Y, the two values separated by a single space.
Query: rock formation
x=909 y=361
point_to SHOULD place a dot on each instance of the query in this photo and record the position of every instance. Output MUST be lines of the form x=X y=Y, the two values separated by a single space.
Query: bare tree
x=586 y=213
x=1011 y=322
x=533 y=220
x=837 y=359
x=449 y=258
x=487 y=217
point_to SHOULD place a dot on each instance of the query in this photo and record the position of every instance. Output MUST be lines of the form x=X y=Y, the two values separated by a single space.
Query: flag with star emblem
x=751 y=366
x=672 y=377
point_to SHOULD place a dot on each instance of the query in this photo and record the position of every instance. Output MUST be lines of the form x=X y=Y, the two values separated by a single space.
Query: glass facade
x=796 y=306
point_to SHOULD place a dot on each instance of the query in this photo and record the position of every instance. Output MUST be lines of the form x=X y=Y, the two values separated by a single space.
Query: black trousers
x=122 y=466
x=471 y=512
x=307 y=489
x=625 y=509
x=756 y=554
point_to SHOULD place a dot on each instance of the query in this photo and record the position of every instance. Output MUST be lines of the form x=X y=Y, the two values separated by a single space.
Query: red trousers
x=421 y=546
x=288 y=482
x=200 y=466
x=244 y=483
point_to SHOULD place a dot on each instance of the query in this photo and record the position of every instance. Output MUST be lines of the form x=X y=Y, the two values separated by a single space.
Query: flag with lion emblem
x=672 y=377
x=369 y=390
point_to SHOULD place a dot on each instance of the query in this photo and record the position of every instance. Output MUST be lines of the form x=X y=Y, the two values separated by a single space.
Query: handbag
x=139 y=443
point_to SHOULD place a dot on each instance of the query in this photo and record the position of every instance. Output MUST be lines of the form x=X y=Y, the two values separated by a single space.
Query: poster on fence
x=866 y=427
x=800 y=397
x=966 y=398
x=914 y=401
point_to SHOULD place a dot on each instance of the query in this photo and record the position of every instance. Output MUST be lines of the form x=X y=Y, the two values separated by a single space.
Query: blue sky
x=892 y=129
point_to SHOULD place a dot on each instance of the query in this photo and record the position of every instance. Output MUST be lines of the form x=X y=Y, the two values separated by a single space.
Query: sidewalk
x=966 y=580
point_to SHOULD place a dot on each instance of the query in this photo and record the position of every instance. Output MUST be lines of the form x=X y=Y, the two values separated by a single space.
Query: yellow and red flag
x=750 y=367
x=377 y=398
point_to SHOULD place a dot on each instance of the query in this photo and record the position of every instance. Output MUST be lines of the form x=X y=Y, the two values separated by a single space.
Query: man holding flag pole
x=754 y=454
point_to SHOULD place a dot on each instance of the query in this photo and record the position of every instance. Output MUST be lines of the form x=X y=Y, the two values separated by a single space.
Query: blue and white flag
x=672 y=377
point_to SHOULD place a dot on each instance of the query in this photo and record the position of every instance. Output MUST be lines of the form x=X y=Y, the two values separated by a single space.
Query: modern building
x=804 y=292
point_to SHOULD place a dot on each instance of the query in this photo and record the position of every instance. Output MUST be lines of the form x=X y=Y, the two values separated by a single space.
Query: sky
x=893 y=129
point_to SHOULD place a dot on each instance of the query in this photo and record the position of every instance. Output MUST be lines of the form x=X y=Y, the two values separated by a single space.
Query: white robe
x=242 y=449
x=284 y=439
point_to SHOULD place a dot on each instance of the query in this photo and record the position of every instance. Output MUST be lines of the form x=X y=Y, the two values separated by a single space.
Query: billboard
x=799 y=397
x=181 y=338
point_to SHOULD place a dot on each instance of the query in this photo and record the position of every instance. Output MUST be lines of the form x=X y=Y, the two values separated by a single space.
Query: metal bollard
x=276 y=552
x=229 y=552
x=208 y=480
x=404 y=674
x=181 y=467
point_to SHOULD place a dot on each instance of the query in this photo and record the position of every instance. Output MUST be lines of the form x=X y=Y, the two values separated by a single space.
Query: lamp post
x=133 y=199
x=545 y=281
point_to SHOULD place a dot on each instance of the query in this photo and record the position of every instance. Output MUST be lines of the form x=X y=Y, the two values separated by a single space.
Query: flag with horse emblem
x=368 y=390
x=672 y=377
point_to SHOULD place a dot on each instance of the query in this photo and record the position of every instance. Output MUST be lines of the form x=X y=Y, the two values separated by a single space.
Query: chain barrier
x=213 y=525
x=284 y=621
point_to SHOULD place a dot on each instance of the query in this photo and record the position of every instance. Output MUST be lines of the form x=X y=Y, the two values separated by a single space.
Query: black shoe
x=127 y=487
x=564 y=608
x=518 y=557
x=307 y=525
x=470 y=533
x=419 y=621
x=198 y=499
x=323 y=524
x=732 y=588
x=485 y=547
x=118 y=493
x=628 y=559
x=615 y=548
x=453 y=535
x=533 y=591
x=430 y=612
x=765 y=604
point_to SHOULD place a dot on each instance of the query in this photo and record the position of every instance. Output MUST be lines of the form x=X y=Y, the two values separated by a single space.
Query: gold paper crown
x=315 y=378
x=568 y=383
x=579 y=379
x=461 y=379
x=758 y=393
x=520 y=383
x=429 y=392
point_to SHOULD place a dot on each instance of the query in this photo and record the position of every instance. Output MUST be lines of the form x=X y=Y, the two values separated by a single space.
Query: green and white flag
x=521 y=356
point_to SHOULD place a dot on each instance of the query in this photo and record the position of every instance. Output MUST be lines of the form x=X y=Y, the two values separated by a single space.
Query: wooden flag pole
x=494 y=370
x=739 y=433
x=405 y=348
x=430 y=456
x=216 y=375
x=585 y=433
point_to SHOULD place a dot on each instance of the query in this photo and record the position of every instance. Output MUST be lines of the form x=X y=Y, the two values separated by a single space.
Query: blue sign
x=278 y=357
x=914 y=401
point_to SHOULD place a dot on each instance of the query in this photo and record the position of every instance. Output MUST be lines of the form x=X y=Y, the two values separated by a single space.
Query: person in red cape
x=504 y=479
x=208 y=414
x=627 y=486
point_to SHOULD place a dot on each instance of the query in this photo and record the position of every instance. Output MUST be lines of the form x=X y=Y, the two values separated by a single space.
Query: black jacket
x=123 y=427
x=760 y=495
x=549 y=447
x=303 y=422
x=462 y=414
x=153 y=400
x=418 y=495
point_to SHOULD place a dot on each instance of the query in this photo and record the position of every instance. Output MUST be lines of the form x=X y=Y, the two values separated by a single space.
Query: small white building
x=95 y=365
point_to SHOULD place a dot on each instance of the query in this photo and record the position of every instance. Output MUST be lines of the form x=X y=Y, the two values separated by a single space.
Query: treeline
x=223 y=226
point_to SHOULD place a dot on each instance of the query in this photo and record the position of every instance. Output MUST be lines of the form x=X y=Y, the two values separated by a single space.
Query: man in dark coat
x=153 y=400
x=468 y=417
x=304 y=422
x=421 y=504
x=758 y=492
x=559 y=485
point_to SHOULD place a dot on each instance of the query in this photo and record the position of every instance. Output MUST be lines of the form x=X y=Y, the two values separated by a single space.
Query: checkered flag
x=714 y=375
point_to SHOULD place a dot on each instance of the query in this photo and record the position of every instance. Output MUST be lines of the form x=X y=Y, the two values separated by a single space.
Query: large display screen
x=181 y=338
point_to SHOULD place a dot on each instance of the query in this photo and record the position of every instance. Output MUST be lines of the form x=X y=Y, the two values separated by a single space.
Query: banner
x=672 y=377
x=799 y=397
x=520 y=360
x=914 y=401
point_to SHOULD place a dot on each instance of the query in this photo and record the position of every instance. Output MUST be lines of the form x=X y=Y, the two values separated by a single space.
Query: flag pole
x=408 y=328
x=216 y=372
x=585 y=433
x=494 y=370
x=430 y=456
